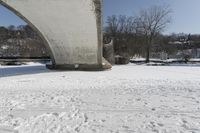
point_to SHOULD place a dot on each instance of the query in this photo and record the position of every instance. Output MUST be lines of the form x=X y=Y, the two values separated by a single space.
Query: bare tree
x=151 y=22
x=120 y=29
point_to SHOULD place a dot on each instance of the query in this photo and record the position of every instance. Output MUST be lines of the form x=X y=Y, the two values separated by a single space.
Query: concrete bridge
x=71 y=29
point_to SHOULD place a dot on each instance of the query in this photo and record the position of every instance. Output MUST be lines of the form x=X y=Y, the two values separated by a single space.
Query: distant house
x=196 y=53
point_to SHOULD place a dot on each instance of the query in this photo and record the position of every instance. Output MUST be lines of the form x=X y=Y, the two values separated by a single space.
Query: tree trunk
x=147 y=53
x=149 y=44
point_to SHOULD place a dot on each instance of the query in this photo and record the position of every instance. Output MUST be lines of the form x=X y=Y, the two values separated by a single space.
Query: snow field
x=126 y=99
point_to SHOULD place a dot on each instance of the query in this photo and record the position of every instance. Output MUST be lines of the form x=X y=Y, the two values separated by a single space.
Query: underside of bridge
x=71 y=29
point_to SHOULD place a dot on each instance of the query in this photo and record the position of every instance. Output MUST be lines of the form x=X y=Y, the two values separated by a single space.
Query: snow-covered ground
x=126 y=99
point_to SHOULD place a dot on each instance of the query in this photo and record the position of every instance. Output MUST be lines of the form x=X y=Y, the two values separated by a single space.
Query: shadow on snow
x=7 y=71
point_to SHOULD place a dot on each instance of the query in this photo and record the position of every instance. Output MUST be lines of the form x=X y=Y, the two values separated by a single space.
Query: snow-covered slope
x=126 y=99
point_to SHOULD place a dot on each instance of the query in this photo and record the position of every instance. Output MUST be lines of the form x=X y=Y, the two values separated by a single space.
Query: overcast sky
x=185 y=15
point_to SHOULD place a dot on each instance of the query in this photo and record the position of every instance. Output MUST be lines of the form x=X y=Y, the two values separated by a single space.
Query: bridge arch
x=71 y=29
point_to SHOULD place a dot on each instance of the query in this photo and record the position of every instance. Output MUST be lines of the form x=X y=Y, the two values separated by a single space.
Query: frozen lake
x=126 y=99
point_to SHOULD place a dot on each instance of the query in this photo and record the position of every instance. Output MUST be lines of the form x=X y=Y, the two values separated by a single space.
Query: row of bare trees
x=21 y=42
x=136 y=34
